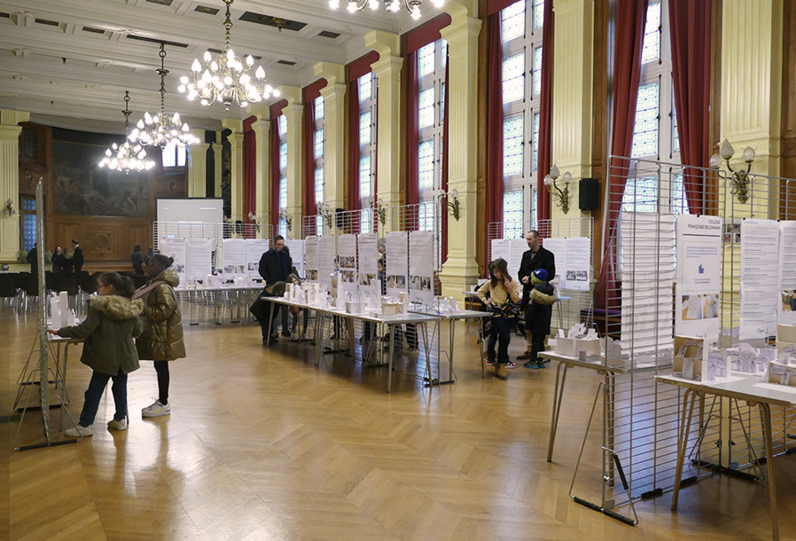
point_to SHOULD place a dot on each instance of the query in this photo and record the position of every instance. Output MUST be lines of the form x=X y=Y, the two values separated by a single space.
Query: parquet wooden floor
x=263 y=445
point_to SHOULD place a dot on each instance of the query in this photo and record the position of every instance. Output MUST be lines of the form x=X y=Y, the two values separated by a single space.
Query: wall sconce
x=740 y=179
x=8 y=209
x=561 y=196
x=378 y=206
x=453 y=207
x=325 y=211
x=253 y=221
x=283 y=215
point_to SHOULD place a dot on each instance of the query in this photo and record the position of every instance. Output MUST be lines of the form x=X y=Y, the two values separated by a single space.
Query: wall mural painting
x=81 y=187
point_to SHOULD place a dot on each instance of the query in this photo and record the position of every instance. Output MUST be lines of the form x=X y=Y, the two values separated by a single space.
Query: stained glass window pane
x=319 y=143
x=535 y=155
x=641 y=195
x=28 y=231
x=282 y=125
x=675 y=135
x=364 y=128
x=538 y=14
x=534 y=211
x=426 y=162
x=513 y=129
x=283 y=156
x=320 y=108
x=425 y=60
x=652 y=33
x=365 y=87
x=426 y=107
x=319 y=225
x=28 y=204
x=513 y=21
x=443 y=61
x=426 y=216
x=442 y=105
x=364 y=176
x=514 y=78
x=537 y=71
x=319 y=197
x=283 y=192
x=645 y=133
x=365 y=221
x=512 y=215
x=679 y=200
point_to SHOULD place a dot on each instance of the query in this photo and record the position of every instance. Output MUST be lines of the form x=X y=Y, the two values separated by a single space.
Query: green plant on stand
x=22 y=256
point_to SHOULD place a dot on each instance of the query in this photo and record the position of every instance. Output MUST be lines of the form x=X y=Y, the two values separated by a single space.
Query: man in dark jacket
x=138 y=260
x=537 y=257
x=77 y=256
x=33 y=259
x=538 y=315
x=275 y=265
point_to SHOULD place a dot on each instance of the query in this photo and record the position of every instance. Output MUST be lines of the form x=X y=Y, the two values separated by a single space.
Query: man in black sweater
x=274 y=267
x=537 y=257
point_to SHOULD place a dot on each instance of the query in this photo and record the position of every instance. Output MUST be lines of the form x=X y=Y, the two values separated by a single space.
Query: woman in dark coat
x=138 y=260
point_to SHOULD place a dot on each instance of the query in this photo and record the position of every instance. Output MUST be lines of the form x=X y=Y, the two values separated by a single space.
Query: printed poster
x=326 y=260
x=347 y=257
x=175 y=249
x=698 y=290
x=198 y=259
x=311 y=258
x=421 y=267
x=255 y=248
x=787 y=273
x=234 y=252
x=760 y=283
x=296 y=247
x=397 y=262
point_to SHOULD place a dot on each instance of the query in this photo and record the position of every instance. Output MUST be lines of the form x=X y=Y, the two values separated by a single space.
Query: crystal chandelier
x=226 y=79
x=412 y=6
x=165 y=128
x=126 y=157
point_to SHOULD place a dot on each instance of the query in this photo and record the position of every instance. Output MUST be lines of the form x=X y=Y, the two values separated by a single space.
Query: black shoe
x=286 y=334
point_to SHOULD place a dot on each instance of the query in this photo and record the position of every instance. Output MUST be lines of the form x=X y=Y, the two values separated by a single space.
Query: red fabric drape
x=427 y=33
x=495 y=6
x=249 y=172
x=628 y=41
x=545 y=113
x=690 y=37
x=445 y=167
x=413 y=133
x=494 y=122
x=354 y=195
x=275 y=173
x=309 y=203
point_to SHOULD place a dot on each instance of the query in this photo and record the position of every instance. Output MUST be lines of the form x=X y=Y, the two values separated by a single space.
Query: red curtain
x=309 y=203
x=494 y=121
x=495 y=6
x=545 y=113
x=413 y=132
x=354 y=195
x=445 y=168
x=631 y=16
x=690 y=37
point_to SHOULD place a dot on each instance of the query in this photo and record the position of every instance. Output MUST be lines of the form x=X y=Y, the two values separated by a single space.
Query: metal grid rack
x=578 y=308
x=639 y=417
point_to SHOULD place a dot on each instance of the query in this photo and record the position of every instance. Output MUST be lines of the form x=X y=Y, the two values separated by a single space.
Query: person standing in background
x=67 y=263
x=148 y=256
x=33 y=259
x=58 y=261
x=77 y=258
x=138 y=260
x=537 y=257
x=275 y=265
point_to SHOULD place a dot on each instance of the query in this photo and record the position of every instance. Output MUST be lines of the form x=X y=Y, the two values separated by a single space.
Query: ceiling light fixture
x=412 y=6
x=165 y=128
x=226 y=79
x=126 y=157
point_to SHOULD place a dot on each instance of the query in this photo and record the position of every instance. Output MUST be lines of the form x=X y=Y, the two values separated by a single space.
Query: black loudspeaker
x=339 y=217
x=589 y=189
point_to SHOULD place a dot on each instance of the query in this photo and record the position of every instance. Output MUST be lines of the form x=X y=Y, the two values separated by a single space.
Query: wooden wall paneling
x=788 y=145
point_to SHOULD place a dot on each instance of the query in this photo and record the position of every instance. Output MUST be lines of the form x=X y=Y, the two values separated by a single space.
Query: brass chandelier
x=412 y=6
x=225 y=78
x=126 y=157
x=164 y=128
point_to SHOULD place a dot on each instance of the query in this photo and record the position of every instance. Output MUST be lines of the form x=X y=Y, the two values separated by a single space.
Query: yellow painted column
x=461 y=269
x=334 y=153
x=218 y=163
x=236 y=166
x=572 y=98
x=293 y=112
x=9 y=181
x=197 y=166
x=262 y=197
x=388 y=75
x=751 y=91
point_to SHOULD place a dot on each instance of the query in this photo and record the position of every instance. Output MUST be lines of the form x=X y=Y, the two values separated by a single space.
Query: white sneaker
x=80 y=431
x=121 y=424
x=156 y=410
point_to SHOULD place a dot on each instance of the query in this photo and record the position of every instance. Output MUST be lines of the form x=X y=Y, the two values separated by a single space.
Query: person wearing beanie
x=536 y=257
x=538 y=315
